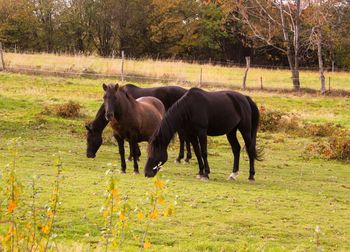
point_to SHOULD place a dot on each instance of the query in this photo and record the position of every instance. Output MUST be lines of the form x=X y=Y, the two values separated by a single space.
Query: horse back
x=151 y=112
x=167 y=95
x=219 y=112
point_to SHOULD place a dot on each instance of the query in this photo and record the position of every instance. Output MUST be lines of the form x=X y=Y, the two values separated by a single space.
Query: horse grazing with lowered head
x=132 y=120
x=94 y=136
x=199 y=114
x=168 y=95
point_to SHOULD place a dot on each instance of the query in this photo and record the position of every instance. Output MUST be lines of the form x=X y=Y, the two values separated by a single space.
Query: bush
x=336 y=147
x=20 y=229
x=70 y=109
x=273 y=120
x=321 y=130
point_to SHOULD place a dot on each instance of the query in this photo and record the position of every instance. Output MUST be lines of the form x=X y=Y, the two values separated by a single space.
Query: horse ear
x=88 y=127
x=104 y=87
x=116 y=86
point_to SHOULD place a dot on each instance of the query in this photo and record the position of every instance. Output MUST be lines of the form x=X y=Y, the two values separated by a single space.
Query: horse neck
x=100 y=122
x=171 y=123
x=125 y=106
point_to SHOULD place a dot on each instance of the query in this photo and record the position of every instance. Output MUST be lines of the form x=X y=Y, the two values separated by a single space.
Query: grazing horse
x=94 y=136
x=168 y=95
x=200 y=113
x=132 y=120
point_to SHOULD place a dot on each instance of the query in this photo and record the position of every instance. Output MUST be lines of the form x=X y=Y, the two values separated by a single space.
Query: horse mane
x=100 y=122
x=173 y=120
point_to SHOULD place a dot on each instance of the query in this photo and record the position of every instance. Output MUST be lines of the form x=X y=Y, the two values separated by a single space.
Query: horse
x=94 y=136
x=168 y=95
x=134 y=120
x=200 y=113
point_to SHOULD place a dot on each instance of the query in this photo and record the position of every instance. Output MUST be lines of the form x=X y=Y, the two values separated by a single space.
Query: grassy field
x=292 y=195
x=173 y=71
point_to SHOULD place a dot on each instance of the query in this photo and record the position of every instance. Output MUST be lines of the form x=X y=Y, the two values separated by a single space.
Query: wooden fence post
x=247 y=59
x=122 y=67
x=201 y=78
x=261 y=83
x=2 y=58
x=329 y=83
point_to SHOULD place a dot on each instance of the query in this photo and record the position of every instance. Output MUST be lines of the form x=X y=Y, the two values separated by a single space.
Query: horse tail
x=255 y=125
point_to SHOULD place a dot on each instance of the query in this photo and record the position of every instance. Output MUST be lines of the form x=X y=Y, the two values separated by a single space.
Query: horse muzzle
x=90 y=155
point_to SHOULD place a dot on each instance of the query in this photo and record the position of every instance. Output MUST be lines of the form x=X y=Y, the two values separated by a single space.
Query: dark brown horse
x=132 y=120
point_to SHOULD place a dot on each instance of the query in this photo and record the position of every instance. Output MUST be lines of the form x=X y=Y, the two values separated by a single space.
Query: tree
x=272 y=22
x=47 y=13
x=18 y=25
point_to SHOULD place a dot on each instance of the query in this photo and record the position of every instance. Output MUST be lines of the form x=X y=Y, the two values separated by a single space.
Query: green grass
x=279 y=212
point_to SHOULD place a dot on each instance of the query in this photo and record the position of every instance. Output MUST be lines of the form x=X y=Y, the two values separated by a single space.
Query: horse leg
x=121 y=152
x=197 y=151
x=130 y=154
x=203 y=145
x=236 y=150
x=134 y=146
x=182 y=147
x=138 y=152
x=250 y=151
x=188 y=149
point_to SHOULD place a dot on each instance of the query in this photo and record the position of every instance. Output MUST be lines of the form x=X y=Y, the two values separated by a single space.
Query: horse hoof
x=177 y=161
x=122 y=172
x=204 y=179
x=136 y=172
x=186 y=161
x=198 y=176
x=251 y=181
x=233 y=176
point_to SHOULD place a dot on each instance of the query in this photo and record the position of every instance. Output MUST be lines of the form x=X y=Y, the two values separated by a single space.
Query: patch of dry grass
x=172 y=71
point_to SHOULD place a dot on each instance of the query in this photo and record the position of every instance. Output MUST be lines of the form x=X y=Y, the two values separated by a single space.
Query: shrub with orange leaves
x=23 y=230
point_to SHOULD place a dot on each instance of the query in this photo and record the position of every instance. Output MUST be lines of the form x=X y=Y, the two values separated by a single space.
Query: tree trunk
x=296 y=80
x=320 y=62
x=293 y=59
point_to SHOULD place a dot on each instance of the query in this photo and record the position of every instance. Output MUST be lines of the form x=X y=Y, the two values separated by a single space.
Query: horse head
x=94 y=141
x=157 y=156
x=110 y=100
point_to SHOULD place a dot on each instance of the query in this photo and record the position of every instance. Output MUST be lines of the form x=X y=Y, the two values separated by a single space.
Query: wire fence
x=176 y=72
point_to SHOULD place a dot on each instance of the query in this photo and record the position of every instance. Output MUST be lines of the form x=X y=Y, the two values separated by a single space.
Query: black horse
x=168 y=95
x=200 y=113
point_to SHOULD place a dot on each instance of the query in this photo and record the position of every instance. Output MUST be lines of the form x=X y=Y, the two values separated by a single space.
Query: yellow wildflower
x=11 y=206
x=159 y=184
x=114 y=192
x=140 y=216
x=161 y=200
x=168 y=212
x=146 y=245
x=153 y=214
x=121 y=216
x=45 y=229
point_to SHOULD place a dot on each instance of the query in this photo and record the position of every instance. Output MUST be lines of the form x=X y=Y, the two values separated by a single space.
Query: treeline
x=216 y=30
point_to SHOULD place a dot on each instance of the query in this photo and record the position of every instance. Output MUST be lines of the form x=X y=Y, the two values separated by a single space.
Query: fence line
x=224 y=63
x=111 y=76
x=229 y=82
x=219 y=84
